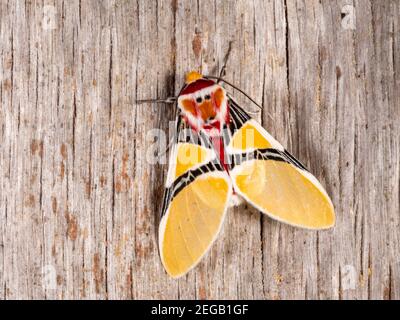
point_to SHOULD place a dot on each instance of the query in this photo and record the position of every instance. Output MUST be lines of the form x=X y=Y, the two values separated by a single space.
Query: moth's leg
x=170 y=144
x=166 y=100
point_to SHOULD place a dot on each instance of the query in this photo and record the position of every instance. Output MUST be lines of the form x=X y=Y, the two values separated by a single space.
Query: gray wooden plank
x=80 y=202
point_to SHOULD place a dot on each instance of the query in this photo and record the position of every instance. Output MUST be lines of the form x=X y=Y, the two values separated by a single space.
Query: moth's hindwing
x=271 y=179
x=197 y=193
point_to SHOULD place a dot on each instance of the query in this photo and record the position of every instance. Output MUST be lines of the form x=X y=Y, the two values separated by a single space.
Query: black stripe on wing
x=266 y=154
x=294 y=161
x=237 y=118
x=185 y=134
x=187 y=178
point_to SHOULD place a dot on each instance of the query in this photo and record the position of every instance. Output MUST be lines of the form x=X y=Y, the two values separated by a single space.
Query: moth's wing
x=270 y=178
x=196 y=199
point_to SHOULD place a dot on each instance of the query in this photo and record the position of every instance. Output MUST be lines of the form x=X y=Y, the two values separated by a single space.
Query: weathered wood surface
x=79 y=203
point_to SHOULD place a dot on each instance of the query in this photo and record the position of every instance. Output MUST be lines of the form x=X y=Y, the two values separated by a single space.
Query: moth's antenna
x=222 y=72
x=241 y=91
x=171 y=142
x=167 y=100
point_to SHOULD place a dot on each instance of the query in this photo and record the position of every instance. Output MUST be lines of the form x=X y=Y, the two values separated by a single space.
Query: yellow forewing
x=248 y=137
x=188 y=156
x=279 y=189
x=192 y=222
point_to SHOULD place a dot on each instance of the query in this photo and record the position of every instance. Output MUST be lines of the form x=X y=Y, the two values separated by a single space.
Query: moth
x=220 y=155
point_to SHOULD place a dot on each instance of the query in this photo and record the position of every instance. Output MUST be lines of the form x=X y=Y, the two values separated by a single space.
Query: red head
x=203 y=102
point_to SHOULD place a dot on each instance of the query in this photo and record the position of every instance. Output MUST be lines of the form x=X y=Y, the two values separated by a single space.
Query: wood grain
x=79 y=202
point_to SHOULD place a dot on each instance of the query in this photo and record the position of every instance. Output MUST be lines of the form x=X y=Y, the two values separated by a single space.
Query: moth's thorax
x=204 y=104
